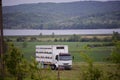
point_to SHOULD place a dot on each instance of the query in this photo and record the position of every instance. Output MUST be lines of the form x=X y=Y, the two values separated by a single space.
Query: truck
x=56 y=56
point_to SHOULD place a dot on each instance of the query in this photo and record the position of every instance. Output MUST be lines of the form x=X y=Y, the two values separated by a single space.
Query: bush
x=91 y=73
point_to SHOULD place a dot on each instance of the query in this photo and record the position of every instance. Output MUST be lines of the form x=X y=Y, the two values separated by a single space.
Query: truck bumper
x=66 y=67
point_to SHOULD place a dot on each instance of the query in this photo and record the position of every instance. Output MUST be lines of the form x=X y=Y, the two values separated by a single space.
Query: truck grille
x=65 y=63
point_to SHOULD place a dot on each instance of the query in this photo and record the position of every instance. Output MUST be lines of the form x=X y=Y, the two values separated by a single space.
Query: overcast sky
x=16 y=2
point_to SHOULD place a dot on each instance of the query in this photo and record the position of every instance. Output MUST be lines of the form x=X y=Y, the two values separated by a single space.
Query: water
x=25 y=32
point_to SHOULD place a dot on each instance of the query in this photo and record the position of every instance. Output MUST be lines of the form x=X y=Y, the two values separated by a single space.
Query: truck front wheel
x=53 y=67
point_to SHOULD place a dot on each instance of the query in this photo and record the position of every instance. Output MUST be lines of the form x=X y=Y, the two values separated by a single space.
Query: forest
x=73 y=15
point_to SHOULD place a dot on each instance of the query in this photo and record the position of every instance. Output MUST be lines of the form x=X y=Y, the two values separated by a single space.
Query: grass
x=98 y=54
x=77 y=72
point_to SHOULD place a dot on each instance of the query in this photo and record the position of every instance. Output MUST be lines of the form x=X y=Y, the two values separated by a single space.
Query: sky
x=17 y=2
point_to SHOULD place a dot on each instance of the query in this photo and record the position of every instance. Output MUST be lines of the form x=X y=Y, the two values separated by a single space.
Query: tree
x=115 y=58
x=95 y=39
x=20 y=39
x=15 y=62
x=53 y=34
x=55 y=40
x=115 y=36
x=92 y=72
x=40 y=34
x=74 y=38
x=35 y=70
x=22 y=69
x=2 y=70
x=60 y=40
x=115 y=55
x=33 y=38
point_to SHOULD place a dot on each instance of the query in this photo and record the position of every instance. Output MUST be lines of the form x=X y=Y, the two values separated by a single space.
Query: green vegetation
x=60 y=38
x=92 y=73
x=77 y=43
x=97 y=53
x=92 y=60
x=15 y=64
x=76 y=73
x=75 y=15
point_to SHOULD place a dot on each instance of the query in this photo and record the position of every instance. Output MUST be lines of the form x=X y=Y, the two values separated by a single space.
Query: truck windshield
x=65 y=58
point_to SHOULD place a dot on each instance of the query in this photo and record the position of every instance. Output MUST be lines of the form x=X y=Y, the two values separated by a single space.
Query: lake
x=25 y=32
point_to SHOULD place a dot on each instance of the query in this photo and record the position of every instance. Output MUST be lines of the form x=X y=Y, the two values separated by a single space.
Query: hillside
x=73 y=15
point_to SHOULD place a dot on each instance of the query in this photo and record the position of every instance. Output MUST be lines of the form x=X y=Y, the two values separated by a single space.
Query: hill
x=73 y=15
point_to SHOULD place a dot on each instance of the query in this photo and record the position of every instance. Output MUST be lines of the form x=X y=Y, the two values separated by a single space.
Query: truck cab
x=64 y=60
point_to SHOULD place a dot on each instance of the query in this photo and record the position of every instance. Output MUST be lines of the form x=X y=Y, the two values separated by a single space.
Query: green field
x=76 y=73
x=98 y=54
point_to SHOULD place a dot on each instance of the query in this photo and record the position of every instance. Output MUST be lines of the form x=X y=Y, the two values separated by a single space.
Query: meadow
x=77 y=73
x=98 y=54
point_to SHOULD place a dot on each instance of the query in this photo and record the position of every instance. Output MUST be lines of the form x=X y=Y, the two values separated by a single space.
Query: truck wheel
x=53 y=67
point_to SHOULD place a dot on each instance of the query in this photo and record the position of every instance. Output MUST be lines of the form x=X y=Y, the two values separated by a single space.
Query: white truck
x=57 y=56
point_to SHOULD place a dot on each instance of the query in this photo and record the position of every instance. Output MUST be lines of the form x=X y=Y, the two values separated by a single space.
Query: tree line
x=55 y=38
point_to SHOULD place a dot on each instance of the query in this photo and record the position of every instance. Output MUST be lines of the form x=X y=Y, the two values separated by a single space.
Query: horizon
x=19 y=2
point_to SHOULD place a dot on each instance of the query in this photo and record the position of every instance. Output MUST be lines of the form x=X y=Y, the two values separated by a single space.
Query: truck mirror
x=73 y=57
x=56 y=57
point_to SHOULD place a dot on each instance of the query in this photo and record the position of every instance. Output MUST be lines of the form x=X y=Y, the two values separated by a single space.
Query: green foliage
x=24 y=44
x=97 y=53
x=33 y=38
x=91 y=73
x=36 y=71
x=74 y=38
x=13 y=57
x=115 y=56
x=22 y=69
x=60 y=38
x=16 y=64
x=20 y=39
x=116 y=53
x=87 y=59
x=115 y=37
x=18 y=67
x=61 y=16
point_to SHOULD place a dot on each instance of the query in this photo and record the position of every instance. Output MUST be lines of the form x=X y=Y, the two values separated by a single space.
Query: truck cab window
x=65 y=57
